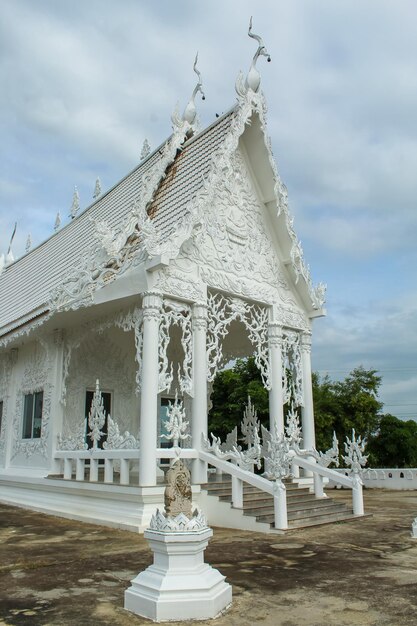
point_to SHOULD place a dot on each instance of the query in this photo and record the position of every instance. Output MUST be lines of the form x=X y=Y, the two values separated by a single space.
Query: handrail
x=234 y=470
x=128 y=453
x=326 y=472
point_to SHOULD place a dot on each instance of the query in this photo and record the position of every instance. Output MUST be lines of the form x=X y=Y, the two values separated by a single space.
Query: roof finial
x=97 y=189
x=146 y=150
x=28 y=243
x=75 y=206
x=9 y=255
x=57 y=222
x=190 y=111
x=253 y=79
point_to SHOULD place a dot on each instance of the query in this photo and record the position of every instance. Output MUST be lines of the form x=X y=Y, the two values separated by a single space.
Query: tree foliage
x=338 y=406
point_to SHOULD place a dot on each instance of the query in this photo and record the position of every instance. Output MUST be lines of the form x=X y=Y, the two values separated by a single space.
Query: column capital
x=275 y=334
x=199 y=316
x=306 y=342
x=152 y=305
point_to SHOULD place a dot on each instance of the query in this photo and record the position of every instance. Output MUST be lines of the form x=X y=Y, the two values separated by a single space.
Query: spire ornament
x=190 y=111
x=57 y=222
x=97 y=189
x=28 y=243
x=253 y=79
x=146 y=150
x=75 y=206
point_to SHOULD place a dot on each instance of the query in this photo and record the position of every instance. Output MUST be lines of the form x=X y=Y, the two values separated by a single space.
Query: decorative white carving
x=96 y=417
x=72 y=442
x=253 y=79
x=116 y=371
x=250 y=423
x=36 y=377
x=6 y=367
x=133 y=320
x=229 y=258
x=175 y=314
x=172 y=282
x=181 y=523
x=292 y=373
x=293 y=429
x=277 y=455
x=222 y=310
x=25 y=331
x=176 y=425
x=75 y=206
x=146 y=150
x=97 y=189
x=231 y=451
x=57 y=222
x=190 y=112
x=331 y=455
x=116 y=441
x=355 y=458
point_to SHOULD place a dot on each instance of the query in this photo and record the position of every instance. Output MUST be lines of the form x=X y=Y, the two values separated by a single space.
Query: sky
x=83 y=83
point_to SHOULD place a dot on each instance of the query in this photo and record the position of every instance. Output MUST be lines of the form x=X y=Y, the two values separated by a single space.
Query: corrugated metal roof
x=27 y=284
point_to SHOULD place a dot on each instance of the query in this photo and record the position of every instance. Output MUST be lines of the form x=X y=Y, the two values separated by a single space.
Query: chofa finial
x=190 y=111
x=253 y=79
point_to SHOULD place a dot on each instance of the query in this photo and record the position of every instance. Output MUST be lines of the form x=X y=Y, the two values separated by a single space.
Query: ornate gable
x=232 y=245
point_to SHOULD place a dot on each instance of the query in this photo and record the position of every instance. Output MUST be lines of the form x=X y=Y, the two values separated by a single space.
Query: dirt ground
x=57 y=572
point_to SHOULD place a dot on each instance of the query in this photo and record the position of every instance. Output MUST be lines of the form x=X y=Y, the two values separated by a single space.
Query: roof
x=26 y=285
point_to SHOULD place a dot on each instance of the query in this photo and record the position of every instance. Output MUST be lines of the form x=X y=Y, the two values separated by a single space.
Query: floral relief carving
x=6 y=364
x=175 y=314
x=292 y=373
x=36 y=377
x=116 y=372
x=231 y=243
x=222 y=311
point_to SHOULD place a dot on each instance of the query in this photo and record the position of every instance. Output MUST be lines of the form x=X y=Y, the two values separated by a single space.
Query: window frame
x=33 y=419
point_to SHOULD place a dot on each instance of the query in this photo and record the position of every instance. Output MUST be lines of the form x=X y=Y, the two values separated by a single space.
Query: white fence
x=385 y=478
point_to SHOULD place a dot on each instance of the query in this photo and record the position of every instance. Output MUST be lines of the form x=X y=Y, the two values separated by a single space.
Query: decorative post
x=276 y=405
x=152 y=304
x=307 y=411
x=11 y=402
x=57 y=409
x=199 y=401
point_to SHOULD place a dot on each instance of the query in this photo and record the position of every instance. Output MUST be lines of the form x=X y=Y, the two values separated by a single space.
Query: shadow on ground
x=56 y=572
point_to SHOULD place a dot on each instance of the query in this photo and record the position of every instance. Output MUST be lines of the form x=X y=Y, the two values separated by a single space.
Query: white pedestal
x=179 y=585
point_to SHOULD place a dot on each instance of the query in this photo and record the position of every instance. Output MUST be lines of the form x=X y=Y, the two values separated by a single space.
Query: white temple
x=188 y=262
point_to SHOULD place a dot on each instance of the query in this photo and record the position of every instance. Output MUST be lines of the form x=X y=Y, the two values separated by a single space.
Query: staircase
x=304 y=509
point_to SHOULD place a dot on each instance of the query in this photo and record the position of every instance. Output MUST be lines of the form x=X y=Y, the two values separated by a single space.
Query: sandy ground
x=59 y=572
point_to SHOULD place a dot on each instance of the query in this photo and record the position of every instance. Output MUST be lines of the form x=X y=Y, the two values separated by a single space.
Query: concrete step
x=303 y=508
x=299 y=517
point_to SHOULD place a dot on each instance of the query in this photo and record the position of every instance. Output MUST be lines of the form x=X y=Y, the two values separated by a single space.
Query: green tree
x=231 y=388
x=394 y=444
x=342 y=405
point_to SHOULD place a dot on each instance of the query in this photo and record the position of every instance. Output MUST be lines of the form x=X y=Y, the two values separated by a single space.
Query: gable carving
x=232 y=238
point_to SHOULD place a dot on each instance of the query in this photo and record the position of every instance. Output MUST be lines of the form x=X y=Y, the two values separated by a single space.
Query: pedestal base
x=179 y=585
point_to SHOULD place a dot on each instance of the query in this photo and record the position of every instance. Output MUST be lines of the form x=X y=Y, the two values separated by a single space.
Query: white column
x=199 y=402
x=152 y=303
x=10 y=406
x=307 y=411
x=57 y=407
x=276 y=404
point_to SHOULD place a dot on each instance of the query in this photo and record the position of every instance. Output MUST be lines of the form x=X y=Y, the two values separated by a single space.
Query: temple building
x=113 y=329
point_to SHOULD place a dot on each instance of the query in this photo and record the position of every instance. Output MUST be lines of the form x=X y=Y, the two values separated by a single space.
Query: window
x=107 y=408
x=32 y=415
x=1 y=414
